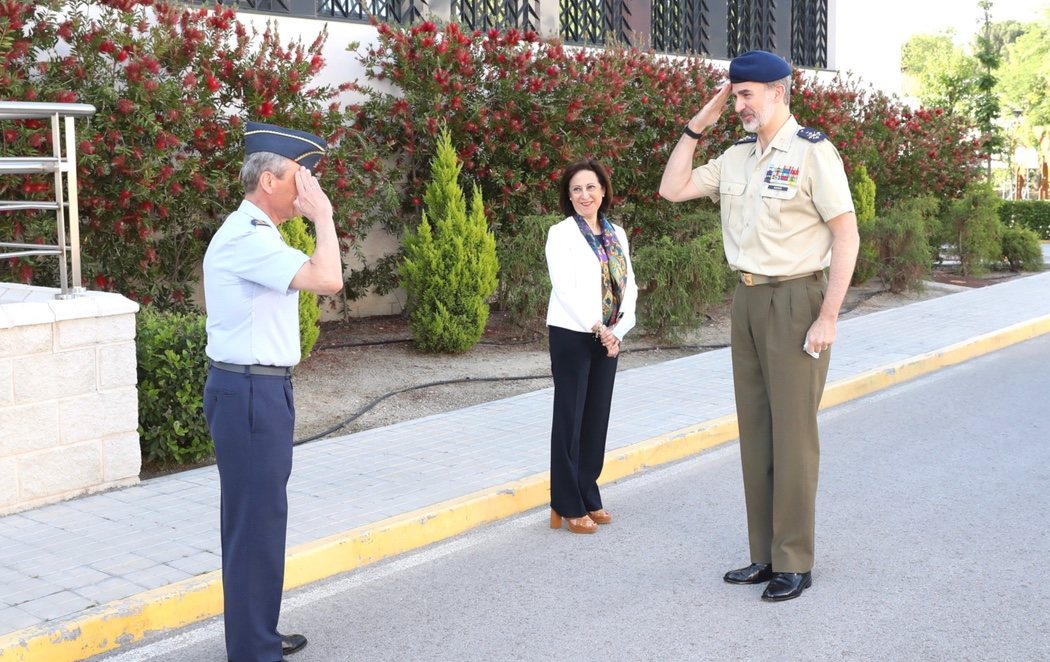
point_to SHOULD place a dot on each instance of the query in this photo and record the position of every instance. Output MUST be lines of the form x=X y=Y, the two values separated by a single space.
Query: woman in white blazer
x=591 y=309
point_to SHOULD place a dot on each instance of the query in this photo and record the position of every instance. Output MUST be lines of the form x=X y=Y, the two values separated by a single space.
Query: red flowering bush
x=521 y=109
x=908 y=153
x=159 y=161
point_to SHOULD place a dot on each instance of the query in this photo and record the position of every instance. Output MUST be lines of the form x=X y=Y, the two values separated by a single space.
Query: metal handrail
x=65 y=204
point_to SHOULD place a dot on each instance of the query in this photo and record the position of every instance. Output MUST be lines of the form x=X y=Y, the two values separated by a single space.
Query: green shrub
x=172 y=368
x=901 y=237
x=972 y=227
x=450 y=269
x=1031 y=214
x=297 y=236
x=862 y=187
x=524 y=284
x=677 y=280
x=1021 y=249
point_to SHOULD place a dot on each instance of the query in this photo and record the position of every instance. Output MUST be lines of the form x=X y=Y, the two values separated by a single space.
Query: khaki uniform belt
x=755 y=279
x=268 y=370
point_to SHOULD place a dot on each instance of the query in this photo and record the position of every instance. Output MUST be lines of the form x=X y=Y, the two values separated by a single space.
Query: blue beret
x=302 y=147
x=758 y=67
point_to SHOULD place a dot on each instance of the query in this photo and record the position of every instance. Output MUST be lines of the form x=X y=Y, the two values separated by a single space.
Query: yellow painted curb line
x=126 y=621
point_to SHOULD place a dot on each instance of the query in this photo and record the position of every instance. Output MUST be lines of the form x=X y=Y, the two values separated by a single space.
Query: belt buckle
x=747 y=278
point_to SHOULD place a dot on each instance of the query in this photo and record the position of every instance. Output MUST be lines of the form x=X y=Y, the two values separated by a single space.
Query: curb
x=124 y=622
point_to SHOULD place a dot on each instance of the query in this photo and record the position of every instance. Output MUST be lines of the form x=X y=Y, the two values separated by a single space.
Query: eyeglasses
x=590 y=189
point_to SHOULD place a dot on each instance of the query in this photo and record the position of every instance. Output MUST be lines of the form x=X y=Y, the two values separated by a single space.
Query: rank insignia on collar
x=257 y=222
x=747 y=139
x=812 y=135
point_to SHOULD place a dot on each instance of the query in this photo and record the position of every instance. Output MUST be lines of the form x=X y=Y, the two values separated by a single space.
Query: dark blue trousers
x=251 y=418
x=583 y=387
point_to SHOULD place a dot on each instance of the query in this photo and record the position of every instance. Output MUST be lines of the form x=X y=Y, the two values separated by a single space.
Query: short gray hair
x=786 y=82
x=259 y=162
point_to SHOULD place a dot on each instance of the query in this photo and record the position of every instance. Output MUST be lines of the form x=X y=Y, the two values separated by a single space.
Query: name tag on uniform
x=781 y=181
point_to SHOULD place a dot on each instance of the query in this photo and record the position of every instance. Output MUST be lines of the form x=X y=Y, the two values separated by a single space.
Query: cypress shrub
x=297 y=236
x=450 y=264
x=862 y=188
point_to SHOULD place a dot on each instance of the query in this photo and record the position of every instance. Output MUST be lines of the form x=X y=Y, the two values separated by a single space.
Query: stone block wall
x=68 y=404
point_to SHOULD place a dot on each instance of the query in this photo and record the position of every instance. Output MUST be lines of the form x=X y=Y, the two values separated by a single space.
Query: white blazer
x=576 y=281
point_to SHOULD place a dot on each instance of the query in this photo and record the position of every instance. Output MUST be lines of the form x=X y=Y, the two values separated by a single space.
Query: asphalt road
x=932 y=543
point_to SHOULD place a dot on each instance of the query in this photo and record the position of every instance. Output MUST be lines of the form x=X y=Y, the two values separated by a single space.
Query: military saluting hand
x=712 y=110
x=312 y=201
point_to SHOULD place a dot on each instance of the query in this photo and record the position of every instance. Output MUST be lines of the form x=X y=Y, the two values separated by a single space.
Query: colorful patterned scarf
x=614 y=266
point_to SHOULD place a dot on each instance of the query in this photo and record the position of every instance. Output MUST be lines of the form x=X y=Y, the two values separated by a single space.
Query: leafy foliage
x=1025 y=76
x=158 y=162
x=901 y=235
x=973 y=228
x=172 y=369
x=524 y=283
x=679 y=278
x=1021 y=249
x=1031 y=214
x=450 y=266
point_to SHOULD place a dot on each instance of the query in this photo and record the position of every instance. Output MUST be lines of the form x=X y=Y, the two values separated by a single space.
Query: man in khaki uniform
x=787 y=215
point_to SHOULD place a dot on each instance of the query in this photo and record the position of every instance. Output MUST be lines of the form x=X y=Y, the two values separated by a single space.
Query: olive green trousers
x=778 y=389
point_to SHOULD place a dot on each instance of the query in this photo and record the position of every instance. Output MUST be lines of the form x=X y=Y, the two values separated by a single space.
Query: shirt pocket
x=774 y=200
x=732 y=198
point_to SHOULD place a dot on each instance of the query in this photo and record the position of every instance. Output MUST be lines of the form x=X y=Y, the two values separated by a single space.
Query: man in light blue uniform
x=251 y=286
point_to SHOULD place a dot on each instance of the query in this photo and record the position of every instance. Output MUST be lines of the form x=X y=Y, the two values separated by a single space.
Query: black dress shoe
x=756 y=573
x=292 y=643
x=787 y=585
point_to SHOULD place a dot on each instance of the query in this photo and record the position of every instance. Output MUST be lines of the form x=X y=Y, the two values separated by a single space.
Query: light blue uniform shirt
x=253 y=314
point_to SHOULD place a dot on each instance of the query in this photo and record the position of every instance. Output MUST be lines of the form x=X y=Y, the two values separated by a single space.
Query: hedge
x=1031 y=214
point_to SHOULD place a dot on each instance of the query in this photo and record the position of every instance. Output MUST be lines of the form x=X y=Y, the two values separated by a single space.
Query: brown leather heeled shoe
x=576 y=524
x=602 y=516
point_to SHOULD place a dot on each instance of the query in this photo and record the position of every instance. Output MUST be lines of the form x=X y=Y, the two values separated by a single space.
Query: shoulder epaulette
x=747 y=139
x=812 y=135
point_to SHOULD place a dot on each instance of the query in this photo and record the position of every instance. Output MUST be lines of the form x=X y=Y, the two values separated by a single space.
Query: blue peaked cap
x=758 y=67
x=302 y=147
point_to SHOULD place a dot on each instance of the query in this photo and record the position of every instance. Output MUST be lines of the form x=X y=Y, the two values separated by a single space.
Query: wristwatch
x=689 y=132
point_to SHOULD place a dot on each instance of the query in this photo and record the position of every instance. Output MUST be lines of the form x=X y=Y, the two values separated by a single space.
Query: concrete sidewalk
x=86 y=576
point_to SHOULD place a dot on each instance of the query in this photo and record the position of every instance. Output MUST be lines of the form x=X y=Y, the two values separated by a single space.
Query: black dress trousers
x=583 y=386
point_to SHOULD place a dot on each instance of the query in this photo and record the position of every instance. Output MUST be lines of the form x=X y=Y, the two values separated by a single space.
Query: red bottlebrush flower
x=107 y=46
x=125 y=106
x=266 y=109
x=66 y=97
x=65 y=31
x=316 y=63
x=212 y=83
x=122 y=56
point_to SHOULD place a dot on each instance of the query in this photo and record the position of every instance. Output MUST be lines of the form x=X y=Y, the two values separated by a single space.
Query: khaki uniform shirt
x=775 y=204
